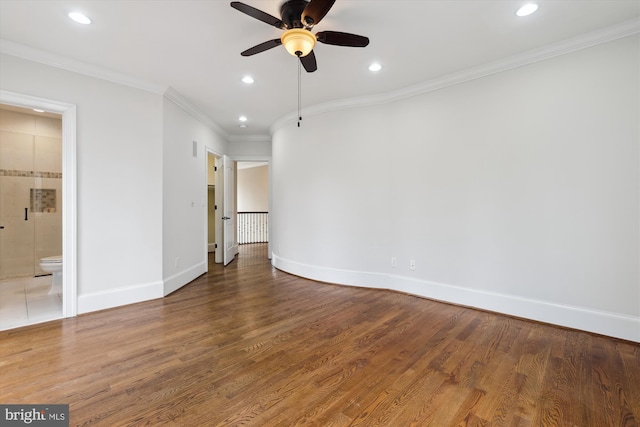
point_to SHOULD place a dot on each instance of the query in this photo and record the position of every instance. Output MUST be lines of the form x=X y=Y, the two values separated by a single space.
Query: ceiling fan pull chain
x=299 y=91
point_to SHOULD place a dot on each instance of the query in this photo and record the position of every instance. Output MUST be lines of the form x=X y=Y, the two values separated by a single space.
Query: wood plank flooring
x=250 y=345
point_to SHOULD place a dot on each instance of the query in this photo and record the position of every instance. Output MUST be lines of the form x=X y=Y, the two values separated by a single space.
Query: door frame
x=218 y=201
x=69 y=190
x=229 y=210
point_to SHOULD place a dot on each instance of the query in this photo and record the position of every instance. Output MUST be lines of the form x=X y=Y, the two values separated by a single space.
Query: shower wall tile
x=16 y=151
x=14 y=192
x=7 y=195
x=45 y=126
x=48 y=154
x=13 y=121
x=43 y=200
x=55 y=184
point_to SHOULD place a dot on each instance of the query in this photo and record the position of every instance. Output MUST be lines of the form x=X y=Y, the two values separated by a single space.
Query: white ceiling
x=193 y=46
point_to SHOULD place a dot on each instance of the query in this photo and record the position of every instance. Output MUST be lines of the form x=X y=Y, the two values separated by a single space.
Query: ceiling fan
x=298 y=17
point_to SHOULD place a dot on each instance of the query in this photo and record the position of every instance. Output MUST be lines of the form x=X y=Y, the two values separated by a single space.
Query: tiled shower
x=30 y=211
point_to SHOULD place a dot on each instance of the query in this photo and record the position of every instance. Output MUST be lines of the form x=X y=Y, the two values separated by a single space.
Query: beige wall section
x=253 y=189
x=211 y=169
x=30 y=158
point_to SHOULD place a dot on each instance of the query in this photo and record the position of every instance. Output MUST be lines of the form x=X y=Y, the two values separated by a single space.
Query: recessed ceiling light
x=527 y=9
x=247 y=79
x=375 y=67
x=243 y=118
x=38 y=110
x=80 y=18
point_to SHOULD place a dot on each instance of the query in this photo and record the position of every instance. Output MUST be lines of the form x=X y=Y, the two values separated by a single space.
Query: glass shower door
x=16 y=181
x=30 y=191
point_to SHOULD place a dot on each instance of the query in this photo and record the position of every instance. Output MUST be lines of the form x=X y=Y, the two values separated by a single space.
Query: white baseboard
x=118 y=297
x=178 y=280
x=138 y=293
x=599 y=322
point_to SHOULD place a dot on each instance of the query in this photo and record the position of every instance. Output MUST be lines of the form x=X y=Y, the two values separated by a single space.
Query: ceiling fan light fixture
x=298 y=42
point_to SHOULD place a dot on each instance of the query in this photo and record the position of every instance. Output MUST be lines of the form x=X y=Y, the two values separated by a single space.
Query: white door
x=219 y=203
x=230 y=248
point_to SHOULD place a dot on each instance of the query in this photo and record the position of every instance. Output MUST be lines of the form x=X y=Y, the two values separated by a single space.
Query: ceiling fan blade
x=258 y=14
x=309 y=62
x=262 y=47
x=315 y=11
x=342 y=39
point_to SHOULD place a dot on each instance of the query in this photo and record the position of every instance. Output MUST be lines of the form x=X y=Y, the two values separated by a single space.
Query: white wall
x=119 y=179
x=517 y=192
x=249 y=149
x=185 y=195
x=141 y=192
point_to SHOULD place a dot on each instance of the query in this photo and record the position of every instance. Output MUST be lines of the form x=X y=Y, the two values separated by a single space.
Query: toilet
x=53 y=265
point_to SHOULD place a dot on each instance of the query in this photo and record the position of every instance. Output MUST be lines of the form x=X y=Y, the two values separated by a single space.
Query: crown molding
x=173 y=95
x=624 y=29
x=47 y=58
x=57 y=61
x=604 y=35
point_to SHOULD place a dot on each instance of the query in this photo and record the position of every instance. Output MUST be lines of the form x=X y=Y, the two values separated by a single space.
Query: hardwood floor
x=251 y=345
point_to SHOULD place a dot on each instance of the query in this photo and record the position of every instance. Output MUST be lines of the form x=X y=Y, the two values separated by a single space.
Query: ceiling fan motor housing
x=291 y=13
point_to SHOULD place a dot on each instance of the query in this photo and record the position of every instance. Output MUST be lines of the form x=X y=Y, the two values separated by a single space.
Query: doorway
x=50 y=203
x=221 y=214
x=30 y=215
x=236 y=187
x=31 y=189
x=253 y=205
x=214 y=209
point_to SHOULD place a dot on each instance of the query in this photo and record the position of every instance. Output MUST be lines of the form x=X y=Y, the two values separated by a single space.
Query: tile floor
x=25 y=300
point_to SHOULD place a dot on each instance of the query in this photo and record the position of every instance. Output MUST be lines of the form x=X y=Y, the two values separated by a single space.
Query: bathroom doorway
x=30 y=214
x=37 y=209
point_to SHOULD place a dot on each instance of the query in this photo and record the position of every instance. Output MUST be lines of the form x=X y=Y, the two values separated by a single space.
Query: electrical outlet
x=394 y=262
x=177 y=263
x=412 y=264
